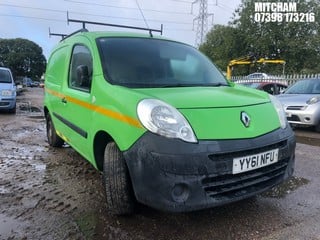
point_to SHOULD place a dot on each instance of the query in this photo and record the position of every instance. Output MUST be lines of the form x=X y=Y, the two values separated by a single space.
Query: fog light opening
x=180 y=192
x=307 y=119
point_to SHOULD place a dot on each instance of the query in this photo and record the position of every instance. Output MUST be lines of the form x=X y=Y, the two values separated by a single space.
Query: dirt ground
x=41 y=197
x=48 y=193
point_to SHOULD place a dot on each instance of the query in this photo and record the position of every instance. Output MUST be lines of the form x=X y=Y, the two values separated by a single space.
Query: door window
x=80 y=74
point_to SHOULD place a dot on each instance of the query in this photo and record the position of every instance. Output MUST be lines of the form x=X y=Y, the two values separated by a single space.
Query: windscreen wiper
x=193 y=85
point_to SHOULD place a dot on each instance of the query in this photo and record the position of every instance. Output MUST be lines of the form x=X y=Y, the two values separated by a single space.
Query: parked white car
x=258 y=76
x=7 y=91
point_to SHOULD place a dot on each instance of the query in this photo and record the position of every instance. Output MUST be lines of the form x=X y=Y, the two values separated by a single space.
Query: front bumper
x=172 y=175
x=308 y=116
x=7 y=103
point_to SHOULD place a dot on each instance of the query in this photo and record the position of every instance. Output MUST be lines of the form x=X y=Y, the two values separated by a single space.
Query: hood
x=6 y=86
x=207 y=97
x=295 y=99
x=213 y=112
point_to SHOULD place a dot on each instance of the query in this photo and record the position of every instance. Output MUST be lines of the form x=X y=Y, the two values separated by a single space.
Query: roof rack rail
x=62 y=35
x=114 y=25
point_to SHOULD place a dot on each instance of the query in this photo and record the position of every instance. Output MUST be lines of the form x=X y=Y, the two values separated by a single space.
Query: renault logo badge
x=245 y=119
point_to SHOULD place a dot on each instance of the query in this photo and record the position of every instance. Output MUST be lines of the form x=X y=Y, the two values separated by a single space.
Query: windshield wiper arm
x=194 y=85
x=219 y=84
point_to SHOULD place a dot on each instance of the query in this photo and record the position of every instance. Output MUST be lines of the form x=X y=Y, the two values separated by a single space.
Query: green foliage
x=298 y=43
x=23 y=57
x=223 y=44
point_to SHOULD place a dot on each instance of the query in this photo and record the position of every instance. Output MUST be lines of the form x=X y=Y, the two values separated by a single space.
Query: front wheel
x=53 y=139
x=317 y=127
x=119 y=192
x=13 y=110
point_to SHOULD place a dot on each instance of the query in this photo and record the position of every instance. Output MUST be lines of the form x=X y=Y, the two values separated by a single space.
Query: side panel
x=56 y=72
x=78 y=115
x=115 y=113
x=76 y=90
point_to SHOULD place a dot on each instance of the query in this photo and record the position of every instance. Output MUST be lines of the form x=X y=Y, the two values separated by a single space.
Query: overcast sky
x=31 y=19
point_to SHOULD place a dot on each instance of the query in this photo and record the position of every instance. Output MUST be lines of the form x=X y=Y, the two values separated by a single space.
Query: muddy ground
x=48 y=193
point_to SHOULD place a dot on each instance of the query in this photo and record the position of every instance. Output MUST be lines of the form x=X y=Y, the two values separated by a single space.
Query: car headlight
x=7 y=93
x=161 y=118
x=313 y=100
x=279 y=108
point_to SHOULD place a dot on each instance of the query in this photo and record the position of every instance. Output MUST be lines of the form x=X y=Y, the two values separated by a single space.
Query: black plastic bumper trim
x=202 y=173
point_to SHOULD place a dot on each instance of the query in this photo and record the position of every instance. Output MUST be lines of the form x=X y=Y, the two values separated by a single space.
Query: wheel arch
x=45 y=111
x=100 y=142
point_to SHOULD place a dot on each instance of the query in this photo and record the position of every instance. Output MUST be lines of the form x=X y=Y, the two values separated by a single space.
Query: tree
x=295 y=42
x=223 y=44
x=23 y=57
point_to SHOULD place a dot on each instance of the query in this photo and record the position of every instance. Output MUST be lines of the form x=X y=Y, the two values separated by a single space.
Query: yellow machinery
x=250 y=60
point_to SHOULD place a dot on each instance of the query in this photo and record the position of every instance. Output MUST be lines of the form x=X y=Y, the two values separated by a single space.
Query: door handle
x=64 y=100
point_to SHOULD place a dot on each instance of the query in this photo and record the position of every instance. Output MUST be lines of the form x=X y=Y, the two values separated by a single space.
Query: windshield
x=5 y=76
x=143 y=62
x=309 y=86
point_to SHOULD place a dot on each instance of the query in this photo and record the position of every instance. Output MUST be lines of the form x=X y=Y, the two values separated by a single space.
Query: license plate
x=250 y=162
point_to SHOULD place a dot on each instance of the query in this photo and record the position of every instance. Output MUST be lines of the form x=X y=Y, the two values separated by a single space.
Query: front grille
x=293 y=118
x=295 y=107
x=231 y=155
x=2 y=104
x=226 y=187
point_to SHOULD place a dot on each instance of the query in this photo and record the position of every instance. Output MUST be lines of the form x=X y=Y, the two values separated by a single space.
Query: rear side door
x=76 y=99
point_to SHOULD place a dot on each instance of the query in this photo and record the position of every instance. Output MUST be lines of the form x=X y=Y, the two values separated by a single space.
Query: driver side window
x=80 y=74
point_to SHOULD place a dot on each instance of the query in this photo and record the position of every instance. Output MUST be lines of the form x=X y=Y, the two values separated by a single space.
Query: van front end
x=176 y=176
x=199 y=157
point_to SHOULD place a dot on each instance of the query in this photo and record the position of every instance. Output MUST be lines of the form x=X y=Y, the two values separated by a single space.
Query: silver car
x=301 y=103
x=7 y=91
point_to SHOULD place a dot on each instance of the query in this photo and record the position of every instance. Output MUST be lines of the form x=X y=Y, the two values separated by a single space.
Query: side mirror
x=83 y=77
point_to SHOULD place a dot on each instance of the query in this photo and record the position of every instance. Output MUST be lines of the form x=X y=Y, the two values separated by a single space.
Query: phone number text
x=284 y=17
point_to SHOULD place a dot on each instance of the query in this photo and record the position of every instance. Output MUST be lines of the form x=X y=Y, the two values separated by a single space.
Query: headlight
x=163 y=119
x=279 y=108
x=7 y=93
x=313 y=100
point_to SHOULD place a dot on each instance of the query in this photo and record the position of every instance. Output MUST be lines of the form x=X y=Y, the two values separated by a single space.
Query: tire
x=317 y=127
x=119 y=192
x=13 y=110
x=53 y=139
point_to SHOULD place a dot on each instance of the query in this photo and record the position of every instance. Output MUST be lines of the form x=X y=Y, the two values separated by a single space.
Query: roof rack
x=83 y=22
x=83 y=29
x=62 y=35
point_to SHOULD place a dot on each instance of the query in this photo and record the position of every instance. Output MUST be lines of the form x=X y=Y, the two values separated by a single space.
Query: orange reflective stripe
x=103 y=111
x=54 y=93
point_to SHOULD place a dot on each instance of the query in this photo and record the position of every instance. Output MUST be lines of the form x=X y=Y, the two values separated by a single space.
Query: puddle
x=31 y=111
x=3 y=190
x=8 y=227
x=27 y=107
x=39 y=167
x=286 y=188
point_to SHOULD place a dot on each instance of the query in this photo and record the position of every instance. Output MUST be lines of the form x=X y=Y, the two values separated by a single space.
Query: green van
x=162 y=123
